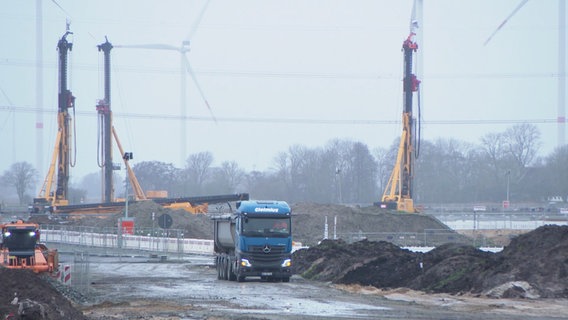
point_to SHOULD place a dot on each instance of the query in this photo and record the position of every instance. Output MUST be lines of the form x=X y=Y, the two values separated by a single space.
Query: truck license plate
x=266 y=274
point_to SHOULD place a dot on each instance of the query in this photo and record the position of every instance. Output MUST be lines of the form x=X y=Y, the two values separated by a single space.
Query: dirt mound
x=197 y=226
x=309 y=220
x=533 y=265
x=26 y=295
x=539 y=258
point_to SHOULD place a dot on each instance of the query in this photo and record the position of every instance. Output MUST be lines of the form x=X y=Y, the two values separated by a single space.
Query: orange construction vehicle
x=21 y=249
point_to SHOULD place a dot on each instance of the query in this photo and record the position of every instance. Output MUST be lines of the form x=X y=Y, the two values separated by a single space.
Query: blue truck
x=254 y=241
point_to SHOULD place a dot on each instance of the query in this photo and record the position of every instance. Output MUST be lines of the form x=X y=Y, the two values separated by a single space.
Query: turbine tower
x=185 y=68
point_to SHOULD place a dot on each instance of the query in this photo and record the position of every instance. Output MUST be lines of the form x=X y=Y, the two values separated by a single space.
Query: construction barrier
x=127 y=241
x=66 y=275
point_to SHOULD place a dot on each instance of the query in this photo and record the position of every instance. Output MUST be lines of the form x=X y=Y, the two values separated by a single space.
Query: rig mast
x=105 y=127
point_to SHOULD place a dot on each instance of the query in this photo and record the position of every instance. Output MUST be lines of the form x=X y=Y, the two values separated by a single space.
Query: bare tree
x=556 y=173
x=232 y=175
x=523 y=142
x=156 y=175
x=22 y=176
x=198 y=168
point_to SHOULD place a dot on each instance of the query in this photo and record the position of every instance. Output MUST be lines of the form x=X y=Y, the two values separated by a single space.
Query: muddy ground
x=533 y=266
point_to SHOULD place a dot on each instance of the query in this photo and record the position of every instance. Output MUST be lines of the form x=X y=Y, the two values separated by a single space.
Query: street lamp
x=508 y=180
x=127 y=156
x=338 y=174
x=506 y=203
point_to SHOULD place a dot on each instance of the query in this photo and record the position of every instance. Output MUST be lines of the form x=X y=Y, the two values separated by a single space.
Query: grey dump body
x=224 y=234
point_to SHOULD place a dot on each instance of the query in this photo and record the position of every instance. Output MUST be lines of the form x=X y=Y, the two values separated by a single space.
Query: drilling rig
x=398 y=194
x=107 y=132
x=61 y=158
x=49 y=201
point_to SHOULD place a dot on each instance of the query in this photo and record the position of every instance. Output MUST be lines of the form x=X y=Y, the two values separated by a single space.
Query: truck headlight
x=245 y=263
x=286 y=263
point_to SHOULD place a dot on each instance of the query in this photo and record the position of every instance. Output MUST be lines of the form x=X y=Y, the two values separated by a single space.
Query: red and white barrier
x=66 y=275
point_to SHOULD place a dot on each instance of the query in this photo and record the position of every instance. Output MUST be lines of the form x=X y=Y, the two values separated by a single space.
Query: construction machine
x=21 y=249
x=50 y=201
x=61 y=158
x=398 y=194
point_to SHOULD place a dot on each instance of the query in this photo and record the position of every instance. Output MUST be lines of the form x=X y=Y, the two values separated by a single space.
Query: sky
x=275 y=74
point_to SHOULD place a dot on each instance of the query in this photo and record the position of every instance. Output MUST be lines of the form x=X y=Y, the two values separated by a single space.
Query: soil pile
x=308 y=220
x=26 y=295
x=534 y=265
x=197 y=226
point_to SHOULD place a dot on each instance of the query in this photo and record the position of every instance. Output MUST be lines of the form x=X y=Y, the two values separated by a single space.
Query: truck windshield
x=266 y=227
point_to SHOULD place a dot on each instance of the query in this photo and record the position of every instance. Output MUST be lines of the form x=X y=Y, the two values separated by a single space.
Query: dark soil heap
x=26 y=295
x=535 y=264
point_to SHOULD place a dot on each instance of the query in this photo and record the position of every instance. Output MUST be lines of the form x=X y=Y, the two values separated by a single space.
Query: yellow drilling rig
x=398 y=194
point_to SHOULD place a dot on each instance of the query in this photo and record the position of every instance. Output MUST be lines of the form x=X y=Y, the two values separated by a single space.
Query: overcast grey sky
x=276 y=74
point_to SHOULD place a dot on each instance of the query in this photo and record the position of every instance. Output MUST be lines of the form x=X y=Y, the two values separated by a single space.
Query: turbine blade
x=192 y=74
x=505 y=21
x=197 y=21
x=154 y=46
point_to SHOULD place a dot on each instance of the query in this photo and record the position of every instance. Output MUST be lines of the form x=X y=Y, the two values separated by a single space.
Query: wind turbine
x=185 y=68
x=561 y=119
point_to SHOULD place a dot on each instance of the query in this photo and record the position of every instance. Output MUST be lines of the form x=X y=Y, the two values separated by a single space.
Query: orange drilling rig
x=21 y=249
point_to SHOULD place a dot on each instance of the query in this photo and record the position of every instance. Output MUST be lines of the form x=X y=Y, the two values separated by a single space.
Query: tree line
x=504 y=165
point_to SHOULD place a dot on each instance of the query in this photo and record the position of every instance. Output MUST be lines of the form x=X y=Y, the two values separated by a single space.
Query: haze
x=276 y=74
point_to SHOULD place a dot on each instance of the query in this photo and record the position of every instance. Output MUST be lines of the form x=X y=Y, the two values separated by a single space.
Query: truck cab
x=256 y=240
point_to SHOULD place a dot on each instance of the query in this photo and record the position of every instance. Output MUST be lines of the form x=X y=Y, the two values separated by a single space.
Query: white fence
x=127 y=241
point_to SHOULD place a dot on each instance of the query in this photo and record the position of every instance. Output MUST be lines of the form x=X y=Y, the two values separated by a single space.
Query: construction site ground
x=335 y=279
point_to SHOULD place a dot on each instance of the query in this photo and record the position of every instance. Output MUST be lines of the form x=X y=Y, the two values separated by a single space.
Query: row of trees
x=503 y=166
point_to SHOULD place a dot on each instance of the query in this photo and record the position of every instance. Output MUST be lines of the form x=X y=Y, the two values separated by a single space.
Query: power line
x=308 y=121
x=298 y=74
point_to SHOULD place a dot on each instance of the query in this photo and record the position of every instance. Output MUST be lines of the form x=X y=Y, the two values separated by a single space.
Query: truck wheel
x=218 y=266
x=232 y=275
x=224 y=269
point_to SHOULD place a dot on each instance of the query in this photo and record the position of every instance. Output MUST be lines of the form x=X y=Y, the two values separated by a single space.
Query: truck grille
x=267 y=255
x=266 y=249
